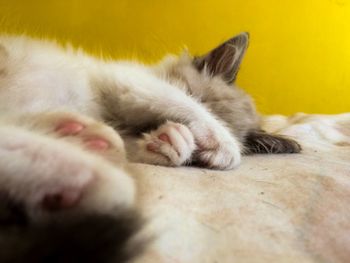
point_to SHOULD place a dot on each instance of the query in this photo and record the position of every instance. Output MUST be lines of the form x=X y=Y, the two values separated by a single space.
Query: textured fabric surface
x=273 y=208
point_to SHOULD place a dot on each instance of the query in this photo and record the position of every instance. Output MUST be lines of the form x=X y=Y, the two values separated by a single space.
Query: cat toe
x=164 y=137
x=69 y=128
x=172 y=144
x=97 y=144
x=180 y=138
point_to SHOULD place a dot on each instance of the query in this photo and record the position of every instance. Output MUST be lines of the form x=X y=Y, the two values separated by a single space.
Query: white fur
x=41 y=76
x=38 y=77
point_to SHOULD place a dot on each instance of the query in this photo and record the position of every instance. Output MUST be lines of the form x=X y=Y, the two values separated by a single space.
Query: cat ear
x=225 y=59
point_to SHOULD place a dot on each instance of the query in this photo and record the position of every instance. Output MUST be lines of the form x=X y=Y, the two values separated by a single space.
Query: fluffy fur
x=65 y=118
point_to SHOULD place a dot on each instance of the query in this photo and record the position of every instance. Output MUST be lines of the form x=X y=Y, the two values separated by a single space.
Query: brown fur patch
x=262 y=142
x=3 y=58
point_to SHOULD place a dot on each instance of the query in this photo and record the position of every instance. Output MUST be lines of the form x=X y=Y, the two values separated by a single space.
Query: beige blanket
x=273 y=208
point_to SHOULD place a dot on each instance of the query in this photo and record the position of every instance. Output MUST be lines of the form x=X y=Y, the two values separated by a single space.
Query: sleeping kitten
x=59 y=160
x=218 y=121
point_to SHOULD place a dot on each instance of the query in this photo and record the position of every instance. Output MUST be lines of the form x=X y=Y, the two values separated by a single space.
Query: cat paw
x=216 y=150
x=172 y=144
x=86 y=132
x=49 y=175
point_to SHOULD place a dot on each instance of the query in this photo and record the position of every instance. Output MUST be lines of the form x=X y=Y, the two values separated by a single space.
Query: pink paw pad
x=152 y=147
x=164 y=137
x=69 y=128
x=61 y=200
x=97 y=144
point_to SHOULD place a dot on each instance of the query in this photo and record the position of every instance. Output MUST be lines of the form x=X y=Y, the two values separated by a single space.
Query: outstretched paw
x=172 y=144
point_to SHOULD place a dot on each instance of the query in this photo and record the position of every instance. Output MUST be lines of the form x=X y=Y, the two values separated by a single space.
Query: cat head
x=210 y=79
x=222 y=62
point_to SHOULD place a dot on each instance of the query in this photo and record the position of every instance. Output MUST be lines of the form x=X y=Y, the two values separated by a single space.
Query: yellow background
x=298 y=60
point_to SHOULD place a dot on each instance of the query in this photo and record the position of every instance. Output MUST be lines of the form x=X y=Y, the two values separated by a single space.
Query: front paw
x=216 y=150
x=172 y=144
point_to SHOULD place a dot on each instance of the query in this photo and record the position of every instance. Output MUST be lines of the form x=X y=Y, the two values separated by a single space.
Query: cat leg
x=171 y=144
x=145 y=100
x=48 y=173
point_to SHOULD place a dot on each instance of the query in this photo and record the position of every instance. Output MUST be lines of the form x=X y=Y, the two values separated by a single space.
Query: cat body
x=63 y=112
